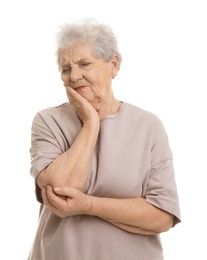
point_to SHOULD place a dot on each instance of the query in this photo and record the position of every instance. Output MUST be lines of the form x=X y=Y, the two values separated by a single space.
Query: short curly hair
x=100 y=36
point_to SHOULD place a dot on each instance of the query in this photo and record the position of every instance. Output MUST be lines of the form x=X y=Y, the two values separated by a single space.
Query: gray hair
x=98 y=35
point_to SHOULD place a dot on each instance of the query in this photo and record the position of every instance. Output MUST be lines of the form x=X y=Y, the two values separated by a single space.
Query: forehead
x=75 y=53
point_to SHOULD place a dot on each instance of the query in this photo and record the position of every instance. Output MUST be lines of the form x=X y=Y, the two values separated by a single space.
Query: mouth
x=79 y=88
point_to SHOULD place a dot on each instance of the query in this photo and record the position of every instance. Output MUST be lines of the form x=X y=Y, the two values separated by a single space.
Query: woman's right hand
x=83 y=109
x=72 y=167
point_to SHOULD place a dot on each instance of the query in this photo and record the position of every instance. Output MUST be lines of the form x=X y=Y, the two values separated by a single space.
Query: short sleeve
x=161 y=189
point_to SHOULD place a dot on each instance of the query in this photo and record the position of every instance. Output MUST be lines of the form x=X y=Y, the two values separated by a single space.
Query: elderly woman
x=103 y=168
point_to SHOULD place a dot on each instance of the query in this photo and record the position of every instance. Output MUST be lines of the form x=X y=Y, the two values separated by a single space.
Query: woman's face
x=90 y=76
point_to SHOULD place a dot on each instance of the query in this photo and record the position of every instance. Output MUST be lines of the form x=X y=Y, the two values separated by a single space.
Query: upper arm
x=161 y=190
x=44 y=149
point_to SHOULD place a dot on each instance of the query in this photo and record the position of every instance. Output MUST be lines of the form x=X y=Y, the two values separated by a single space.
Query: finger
x=44 y=196
x=65 y=191
x=71 y=92
x=46 y=202
x=72 y=95
x=54 y=199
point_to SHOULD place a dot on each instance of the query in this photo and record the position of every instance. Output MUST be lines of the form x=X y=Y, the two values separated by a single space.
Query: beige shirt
x=132 y=158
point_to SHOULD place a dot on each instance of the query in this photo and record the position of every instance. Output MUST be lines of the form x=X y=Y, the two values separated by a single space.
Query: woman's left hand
x=65 y=202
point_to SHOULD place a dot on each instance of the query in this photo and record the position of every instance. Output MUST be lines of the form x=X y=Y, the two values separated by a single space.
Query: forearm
x=133 y=229
x=80 y=155
x=72 y=167
x=134 y=215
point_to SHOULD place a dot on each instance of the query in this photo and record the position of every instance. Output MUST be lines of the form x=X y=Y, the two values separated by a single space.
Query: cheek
x=65 y=79
x=103 y=82
x=106 y=82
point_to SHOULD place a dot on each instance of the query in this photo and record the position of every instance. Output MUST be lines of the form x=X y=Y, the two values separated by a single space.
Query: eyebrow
x=64 y=65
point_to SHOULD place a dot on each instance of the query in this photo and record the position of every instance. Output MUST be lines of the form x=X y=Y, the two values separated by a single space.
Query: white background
x=164 y=70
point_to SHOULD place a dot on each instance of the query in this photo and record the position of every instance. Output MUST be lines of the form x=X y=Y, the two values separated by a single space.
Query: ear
x=115 y=66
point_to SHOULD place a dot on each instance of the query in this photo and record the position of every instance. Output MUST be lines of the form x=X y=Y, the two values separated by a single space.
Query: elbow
x=164 y=224
x=41 y=180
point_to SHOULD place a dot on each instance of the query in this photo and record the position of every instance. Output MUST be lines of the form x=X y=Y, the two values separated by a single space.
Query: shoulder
x=144 y=121
x=141 y=115
x=54 y=112
x=56 y=116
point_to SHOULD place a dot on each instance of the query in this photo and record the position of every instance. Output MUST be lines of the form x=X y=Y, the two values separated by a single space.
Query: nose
x=75 y=74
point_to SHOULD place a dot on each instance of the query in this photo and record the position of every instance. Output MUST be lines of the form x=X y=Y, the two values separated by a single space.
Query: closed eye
x=64 y=70
x=85 y=64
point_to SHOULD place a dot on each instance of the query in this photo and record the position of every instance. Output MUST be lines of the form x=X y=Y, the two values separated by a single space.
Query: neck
x=109 y=108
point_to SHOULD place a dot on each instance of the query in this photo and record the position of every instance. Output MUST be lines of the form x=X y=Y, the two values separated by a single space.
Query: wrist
x=92 y=125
